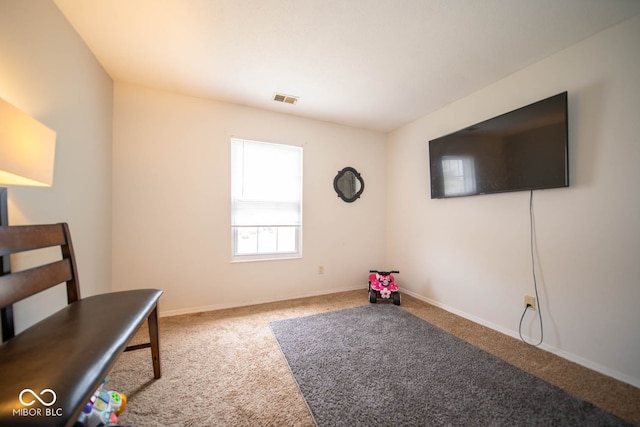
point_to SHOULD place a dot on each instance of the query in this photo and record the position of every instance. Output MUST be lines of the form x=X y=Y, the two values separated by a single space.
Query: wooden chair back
x=16 y=286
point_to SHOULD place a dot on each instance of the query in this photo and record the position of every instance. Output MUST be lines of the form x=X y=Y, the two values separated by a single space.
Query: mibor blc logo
x=46 y=397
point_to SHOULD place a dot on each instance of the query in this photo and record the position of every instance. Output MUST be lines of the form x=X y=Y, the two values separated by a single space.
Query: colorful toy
x=103 y=408
x=383 y=285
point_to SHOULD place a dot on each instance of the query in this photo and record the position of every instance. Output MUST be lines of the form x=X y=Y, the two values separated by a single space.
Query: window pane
x=267 y=240
x=247 y=240
x=271 y=172
x=287 y=239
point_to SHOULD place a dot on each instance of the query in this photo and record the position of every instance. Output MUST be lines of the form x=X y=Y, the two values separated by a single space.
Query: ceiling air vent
x=287 y=99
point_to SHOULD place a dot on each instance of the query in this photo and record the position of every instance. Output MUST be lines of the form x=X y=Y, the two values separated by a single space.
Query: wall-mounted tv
x=525 y=149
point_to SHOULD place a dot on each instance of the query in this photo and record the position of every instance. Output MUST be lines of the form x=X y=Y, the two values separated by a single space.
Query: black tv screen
x=525 y=149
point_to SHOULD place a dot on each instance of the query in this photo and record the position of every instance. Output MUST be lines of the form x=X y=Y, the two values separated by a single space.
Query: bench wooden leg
x=155 y=342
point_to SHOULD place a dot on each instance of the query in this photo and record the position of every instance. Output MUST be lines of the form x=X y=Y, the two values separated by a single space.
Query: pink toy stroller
x=383 y=285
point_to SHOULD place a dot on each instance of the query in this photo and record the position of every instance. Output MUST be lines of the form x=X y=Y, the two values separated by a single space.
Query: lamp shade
x=27 y=148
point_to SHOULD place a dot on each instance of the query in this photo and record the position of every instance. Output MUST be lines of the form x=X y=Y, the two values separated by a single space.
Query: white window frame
x=269 y=213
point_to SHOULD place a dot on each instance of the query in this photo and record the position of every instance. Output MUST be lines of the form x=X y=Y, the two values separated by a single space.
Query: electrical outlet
x=321 y=269
x=530 y=301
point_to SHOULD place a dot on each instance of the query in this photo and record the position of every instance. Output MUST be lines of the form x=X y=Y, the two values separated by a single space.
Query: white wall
x=471 y=255
x=171 y=192
x=47 y=71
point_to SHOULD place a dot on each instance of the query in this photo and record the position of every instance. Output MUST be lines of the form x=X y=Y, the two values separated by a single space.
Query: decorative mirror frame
x=343 y=196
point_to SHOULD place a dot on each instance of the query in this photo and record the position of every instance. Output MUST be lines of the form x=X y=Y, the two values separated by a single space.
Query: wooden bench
x=49 y=371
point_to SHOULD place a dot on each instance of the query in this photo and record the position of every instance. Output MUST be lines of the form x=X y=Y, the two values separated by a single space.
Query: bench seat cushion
x=69 y=352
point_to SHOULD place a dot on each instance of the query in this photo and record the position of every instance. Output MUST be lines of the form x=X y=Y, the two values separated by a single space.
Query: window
x=266 y=200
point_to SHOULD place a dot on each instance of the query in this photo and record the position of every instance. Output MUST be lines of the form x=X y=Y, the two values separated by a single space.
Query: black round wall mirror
x=348 y=184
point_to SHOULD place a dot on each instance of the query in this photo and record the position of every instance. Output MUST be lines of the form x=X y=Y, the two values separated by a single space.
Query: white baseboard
x=214 y=307
x=559 y=352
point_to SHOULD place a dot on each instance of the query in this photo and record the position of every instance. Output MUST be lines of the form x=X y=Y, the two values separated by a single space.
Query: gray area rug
x=378 y=365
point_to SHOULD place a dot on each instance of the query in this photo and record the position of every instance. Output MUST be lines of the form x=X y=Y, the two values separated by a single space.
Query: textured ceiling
x=375 y=64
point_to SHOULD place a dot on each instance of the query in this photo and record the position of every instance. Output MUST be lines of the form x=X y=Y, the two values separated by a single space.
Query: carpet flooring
x=379 y=365
x=225 y=368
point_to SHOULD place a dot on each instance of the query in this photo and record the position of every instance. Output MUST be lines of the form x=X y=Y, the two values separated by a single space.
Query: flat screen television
x=525 y=149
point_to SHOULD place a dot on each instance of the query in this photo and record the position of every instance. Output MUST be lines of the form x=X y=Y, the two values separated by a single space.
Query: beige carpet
x=225 y=368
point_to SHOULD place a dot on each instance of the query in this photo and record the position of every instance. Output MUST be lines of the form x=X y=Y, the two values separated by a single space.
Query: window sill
x=261 y=258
